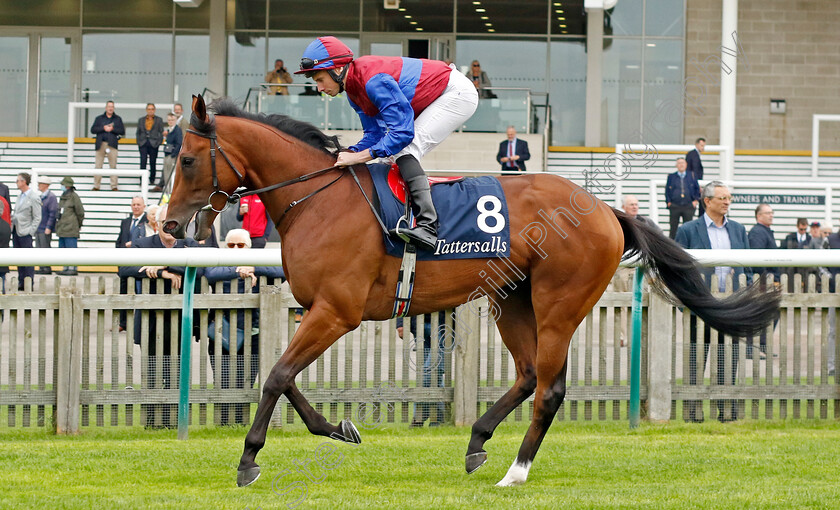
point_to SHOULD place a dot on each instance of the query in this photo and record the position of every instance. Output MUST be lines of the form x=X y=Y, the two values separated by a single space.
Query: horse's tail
x=744 y=313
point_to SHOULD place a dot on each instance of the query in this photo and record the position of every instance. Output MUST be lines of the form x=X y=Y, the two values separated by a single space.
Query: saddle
x=397 y=184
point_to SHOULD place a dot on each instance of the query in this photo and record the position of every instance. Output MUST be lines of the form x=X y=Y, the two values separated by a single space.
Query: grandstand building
x=574 y=77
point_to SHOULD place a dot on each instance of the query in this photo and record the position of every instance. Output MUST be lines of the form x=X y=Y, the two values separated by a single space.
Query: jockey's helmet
x=326 y=54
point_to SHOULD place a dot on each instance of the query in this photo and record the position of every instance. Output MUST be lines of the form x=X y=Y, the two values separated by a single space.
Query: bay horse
x=565 y=248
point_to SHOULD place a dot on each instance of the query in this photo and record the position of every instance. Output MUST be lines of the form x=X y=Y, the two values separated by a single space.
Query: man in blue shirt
x=682 y=194
x=714 y=231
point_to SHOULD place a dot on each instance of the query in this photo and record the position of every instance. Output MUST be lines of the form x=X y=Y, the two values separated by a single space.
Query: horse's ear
x=199 y=109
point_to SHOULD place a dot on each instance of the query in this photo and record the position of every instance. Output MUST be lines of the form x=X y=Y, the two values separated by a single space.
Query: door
x=407 y=45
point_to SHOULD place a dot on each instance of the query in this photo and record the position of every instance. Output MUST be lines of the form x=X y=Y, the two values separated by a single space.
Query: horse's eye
x=186 y=161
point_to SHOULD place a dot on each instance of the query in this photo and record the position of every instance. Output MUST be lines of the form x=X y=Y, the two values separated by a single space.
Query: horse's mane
x=304 y=131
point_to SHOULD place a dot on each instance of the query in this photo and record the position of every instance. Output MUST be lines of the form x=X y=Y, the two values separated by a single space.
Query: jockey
x=407 y=107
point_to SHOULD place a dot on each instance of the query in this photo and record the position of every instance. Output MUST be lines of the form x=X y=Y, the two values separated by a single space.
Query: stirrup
x=397 y=232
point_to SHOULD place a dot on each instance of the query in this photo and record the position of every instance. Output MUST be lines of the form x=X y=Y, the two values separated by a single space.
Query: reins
x=210 y=134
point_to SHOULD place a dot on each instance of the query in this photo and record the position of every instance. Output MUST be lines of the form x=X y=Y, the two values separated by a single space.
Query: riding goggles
x=307 y=63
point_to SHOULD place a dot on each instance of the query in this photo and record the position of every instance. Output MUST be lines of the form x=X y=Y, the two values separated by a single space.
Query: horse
x=567 y=247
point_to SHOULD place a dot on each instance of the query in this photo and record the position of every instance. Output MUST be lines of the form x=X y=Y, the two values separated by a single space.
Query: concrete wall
x=792 y=48
x=466 y=151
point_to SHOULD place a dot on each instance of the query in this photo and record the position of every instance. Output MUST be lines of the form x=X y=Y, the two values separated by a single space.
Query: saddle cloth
x=472 y=215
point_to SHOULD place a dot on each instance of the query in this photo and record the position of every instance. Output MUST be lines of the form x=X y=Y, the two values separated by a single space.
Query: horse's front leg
x=320 y=328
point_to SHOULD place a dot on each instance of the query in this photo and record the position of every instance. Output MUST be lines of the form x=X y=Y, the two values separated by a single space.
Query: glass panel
x=114 y=68
x=14 y=58
x=567 y=92
x=246 y=63
x=503 y=16
x=249 y=15
x=308 y=15
x=621 y=90
x=509 y=64
x=139 y=13
x=664 y=17
x=193 y=17
x=568 y=18
x=663 y=113
x=386 y=49
x=192 y=57
x=624 y=19
x=42 y=13
x=54 y=86
x=412 y=16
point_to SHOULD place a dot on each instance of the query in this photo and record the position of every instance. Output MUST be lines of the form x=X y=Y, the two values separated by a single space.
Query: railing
x=511 y=107
x=63 y=359
x=815 y=139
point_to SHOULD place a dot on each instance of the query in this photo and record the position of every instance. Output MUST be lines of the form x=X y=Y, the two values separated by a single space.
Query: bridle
x=207 y=129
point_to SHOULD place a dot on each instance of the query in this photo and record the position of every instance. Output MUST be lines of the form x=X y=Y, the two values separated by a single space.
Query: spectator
x=131 y=229
x=816 y=242
x=70 y=221
x=254 y=219
x=229 y=219
x=4 y=193
x=513 y=153
x=151 y=226
x=630 y=204
x=429 y=366
x=833 y=244
x=682 y=194
x=158 y=363
x=171 y=147
x=5 y=235
x=49 y=209
x=108 y=129
x=182 y=121
x=25 y=220
x=714 y=231
x=798 y=240
x=278 y=75
x=695 y=165
x=149 y=138
x=480 y=80
x=132 y=226
x=825 y=231
x=762 y=237
x=692 y=159
x=211 y=241
x=246 y=278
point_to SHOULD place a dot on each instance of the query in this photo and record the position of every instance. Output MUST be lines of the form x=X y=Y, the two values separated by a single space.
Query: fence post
x=271 y=309
x=660 y=348
x=68 y=378
x=465 y=370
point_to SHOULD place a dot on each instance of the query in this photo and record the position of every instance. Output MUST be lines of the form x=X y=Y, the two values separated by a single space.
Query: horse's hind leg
x=518 y=328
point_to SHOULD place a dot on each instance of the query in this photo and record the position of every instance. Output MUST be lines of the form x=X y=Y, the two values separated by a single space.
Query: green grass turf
x=791 y=464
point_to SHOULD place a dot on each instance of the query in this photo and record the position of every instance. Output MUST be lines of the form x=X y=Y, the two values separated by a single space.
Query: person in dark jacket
x=246 y=279
x=513 y=152
x=5 y=236
x=49 y=210
x=149 y=138
x=108 y=129
x=799 y=240
x=69 y=224
x=682 y=194
x=433 y=363
x=761 y=237
x=158 y=362
x=173 y=137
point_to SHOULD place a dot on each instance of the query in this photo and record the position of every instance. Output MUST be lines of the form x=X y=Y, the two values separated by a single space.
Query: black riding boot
x=424 y=235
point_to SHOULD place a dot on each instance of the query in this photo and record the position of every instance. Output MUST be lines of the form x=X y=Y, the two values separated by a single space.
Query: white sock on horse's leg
x=516 y=475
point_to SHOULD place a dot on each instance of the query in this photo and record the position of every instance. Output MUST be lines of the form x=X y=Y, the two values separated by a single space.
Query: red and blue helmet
x=325 y=53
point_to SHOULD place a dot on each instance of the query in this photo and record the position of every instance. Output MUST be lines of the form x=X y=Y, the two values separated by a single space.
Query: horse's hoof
x=349 y=432
x=246 y=477
x=475 y=461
